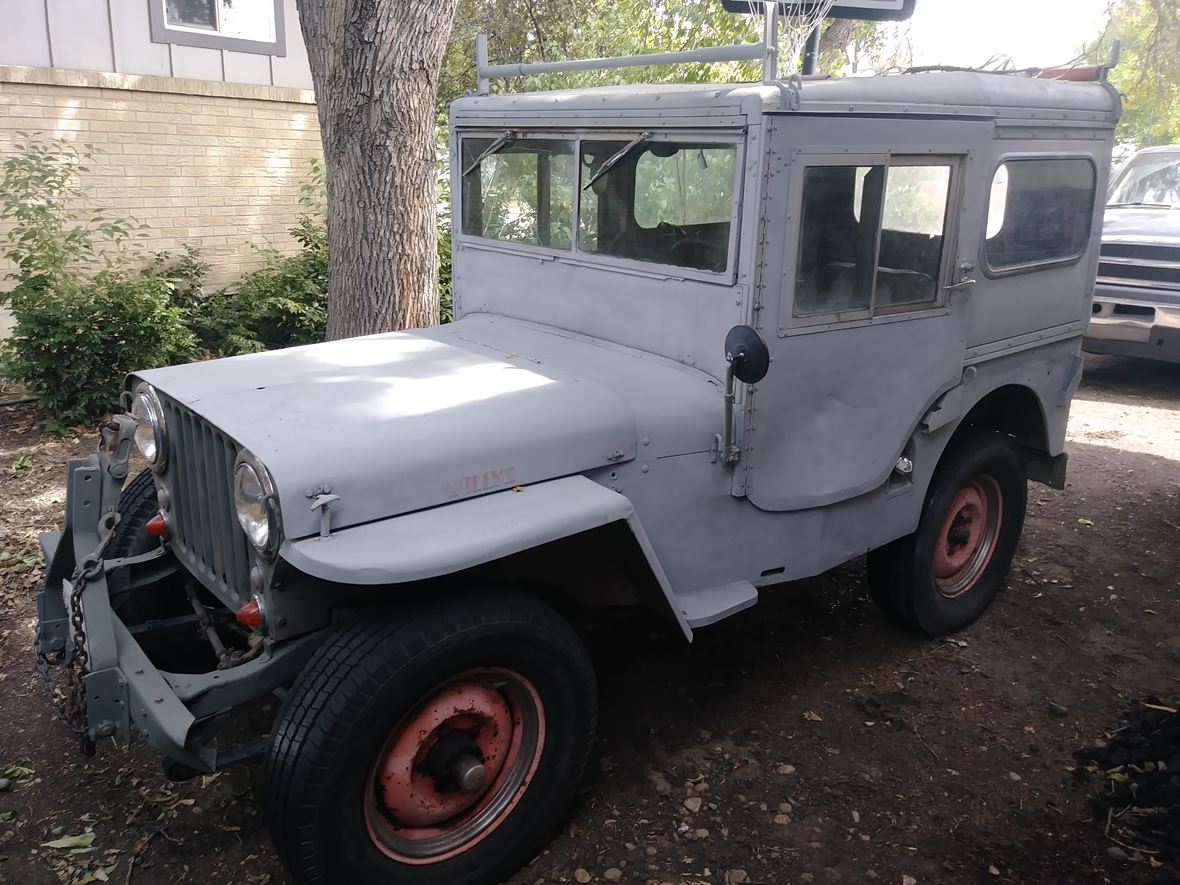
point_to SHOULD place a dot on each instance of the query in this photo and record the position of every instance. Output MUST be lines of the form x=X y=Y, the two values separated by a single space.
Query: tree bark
x=375 y=68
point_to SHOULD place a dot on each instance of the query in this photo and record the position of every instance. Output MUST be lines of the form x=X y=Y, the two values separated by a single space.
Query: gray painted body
x=580 y=393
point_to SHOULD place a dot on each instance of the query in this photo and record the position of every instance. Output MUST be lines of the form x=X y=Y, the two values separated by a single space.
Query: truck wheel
x=440 y=747
x=137 y=504
x=942 y=577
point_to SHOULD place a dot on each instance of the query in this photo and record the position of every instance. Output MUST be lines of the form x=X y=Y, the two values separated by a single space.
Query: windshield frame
x=729 y=135
x=1168 y=157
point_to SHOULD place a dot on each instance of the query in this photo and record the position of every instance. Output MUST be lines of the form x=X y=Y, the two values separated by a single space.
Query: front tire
x=436 y=748
x=941 y=578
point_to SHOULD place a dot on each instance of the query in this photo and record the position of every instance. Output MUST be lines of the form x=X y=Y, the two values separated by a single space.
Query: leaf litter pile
x=1137 y=799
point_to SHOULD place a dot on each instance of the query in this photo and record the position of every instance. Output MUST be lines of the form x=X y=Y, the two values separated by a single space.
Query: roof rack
x=766 y=50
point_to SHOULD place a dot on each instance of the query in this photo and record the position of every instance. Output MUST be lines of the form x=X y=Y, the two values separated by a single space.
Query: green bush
x=282 y=304
x=78 y=332
x=73 y=345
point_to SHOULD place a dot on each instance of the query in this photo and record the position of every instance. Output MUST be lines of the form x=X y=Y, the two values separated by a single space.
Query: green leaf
x=82 y=840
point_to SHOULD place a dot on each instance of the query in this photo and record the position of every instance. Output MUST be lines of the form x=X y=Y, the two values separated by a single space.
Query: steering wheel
x=713 y=257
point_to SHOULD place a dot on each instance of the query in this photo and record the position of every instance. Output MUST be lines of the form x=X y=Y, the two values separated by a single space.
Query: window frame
x=204 y=38
x=1034 y=266
x=721 y=136
x=947 y=260
x=458 y=233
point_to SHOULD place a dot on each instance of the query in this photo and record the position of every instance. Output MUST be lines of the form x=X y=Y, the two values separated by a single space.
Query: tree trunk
x=375 y=67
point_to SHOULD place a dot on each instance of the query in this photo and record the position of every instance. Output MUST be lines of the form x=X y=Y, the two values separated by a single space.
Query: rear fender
x=455 y=537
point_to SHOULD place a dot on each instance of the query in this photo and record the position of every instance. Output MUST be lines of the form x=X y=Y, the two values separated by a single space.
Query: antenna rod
x=811 y=51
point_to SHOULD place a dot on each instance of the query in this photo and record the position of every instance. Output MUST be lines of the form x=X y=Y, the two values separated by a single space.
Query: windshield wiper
x=1140 y=203
x=617 y=157
x=494 y=148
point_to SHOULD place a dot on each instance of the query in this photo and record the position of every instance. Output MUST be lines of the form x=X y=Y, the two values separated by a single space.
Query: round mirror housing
x=746 y=352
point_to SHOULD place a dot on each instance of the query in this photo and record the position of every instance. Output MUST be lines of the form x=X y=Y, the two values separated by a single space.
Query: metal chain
x=71 y=707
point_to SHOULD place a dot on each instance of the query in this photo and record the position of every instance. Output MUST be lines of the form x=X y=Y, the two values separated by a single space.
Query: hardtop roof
x=939 y=93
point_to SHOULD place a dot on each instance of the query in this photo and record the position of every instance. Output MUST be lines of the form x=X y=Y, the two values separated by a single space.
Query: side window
x=871 y=237
x=521 y=193
x=1040 y=212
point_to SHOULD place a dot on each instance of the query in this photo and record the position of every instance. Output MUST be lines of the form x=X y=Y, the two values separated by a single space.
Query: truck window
x=521 y=193
x=665 y=202
x=871 y=237
x=1042 y=215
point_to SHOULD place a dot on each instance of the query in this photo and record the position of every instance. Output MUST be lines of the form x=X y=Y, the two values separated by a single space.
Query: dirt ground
x=823 y=744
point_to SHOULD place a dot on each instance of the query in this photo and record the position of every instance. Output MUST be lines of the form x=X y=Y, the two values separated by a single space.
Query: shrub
x=77 y=333
x=282 y=304
x=73 y=345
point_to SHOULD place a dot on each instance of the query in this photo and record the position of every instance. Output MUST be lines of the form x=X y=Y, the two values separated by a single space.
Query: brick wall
x=212 y=164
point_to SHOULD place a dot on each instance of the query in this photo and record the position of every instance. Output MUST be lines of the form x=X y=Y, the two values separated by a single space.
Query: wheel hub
x=968 y=536
x=445 y=754
x=455 y=766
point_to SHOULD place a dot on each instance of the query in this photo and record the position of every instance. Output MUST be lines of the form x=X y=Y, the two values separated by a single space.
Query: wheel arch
x=568 y=539
x=1017 y=411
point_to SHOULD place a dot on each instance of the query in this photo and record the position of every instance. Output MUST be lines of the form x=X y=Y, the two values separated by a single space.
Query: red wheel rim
x=968 y=536
x=453 y=769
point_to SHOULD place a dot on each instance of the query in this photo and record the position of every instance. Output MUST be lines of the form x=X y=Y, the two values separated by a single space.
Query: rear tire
x=363 y=770
x=942 y=577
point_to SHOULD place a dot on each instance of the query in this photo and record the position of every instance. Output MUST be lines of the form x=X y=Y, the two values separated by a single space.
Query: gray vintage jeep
x=708 y=339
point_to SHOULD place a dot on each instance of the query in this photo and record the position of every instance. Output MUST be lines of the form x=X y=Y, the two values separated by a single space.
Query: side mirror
x=747 y=354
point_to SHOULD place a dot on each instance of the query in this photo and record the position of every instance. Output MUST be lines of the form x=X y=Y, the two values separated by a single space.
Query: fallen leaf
x=812 y=716
x=82 y=840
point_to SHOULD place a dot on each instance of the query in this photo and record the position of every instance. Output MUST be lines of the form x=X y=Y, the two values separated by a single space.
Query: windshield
x=641 y=198
x=519 y=190
x=669 y=202
x=1149 y=180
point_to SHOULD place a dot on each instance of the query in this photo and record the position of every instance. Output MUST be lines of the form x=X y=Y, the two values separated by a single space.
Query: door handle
x=959 y=286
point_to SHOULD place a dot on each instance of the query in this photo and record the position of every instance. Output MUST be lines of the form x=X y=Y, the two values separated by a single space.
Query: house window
x=1040 y=212
x=872 y=237
x=243 y=25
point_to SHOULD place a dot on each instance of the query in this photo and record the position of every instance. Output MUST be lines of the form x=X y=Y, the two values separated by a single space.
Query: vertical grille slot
x=199 y=477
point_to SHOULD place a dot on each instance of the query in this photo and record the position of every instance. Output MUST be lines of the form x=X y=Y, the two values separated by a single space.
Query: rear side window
x=1040 y=212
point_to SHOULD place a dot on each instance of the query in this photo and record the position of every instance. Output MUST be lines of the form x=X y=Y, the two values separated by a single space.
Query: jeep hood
x=403 y=421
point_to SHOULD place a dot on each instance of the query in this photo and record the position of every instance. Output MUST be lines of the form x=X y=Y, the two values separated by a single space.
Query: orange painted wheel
x=455 y=767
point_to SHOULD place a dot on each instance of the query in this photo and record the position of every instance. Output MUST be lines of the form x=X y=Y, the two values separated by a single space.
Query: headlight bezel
x=271 y=522
x=153 y=420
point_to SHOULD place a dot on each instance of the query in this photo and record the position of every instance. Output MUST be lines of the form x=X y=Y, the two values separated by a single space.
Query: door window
x=1040 y=212
x=871 y=237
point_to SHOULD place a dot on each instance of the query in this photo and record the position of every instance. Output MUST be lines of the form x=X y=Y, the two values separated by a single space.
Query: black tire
x=137 y=504
x=361 y=689
x=913 y=580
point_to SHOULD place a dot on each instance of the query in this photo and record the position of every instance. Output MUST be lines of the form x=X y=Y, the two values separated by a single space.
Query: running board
x=712 y=604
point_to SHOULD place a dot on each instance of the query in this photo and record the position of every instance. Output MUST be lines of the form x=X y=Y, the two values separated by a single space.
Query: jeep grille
x=205 y=534
x=1134 y=264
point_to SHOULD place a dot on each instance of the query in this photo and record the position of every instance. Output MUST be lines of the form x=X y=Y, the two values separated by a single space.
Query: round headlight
x=255 y=502
x=150 y=438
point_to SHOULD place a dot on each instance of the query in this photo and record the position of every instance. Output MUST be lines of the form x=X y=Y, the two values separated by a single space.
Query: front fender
x=453 y=537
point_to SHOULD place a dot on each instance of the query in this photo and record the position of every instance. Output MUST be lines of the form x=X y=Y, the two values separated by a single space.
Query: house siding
x=114 y=36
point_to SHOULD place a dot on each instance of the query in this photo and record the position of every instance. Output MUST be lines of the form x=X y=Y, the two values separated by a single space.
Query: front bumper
x=122 y=684
x=1134 y=322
